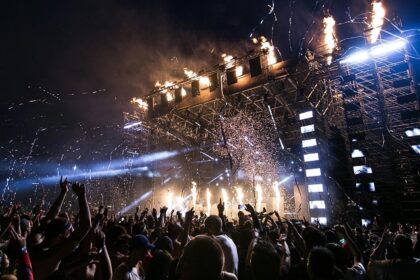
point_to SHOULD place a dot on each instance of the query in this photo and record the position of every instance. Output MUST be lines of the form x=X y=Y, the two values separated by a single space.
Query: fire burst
x=378 y=15
x=208 y=193
x=329 y=38
x=258 y=190
x=277 y=195
x=239 y=195
x=225 y=196
x=205 y=81
x=194 y=193
x=271 y=54
x=140 y=102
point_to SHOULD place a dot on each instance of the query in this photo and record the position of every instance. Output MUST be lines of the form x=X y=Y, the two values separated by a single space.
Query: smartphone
x=241 y=207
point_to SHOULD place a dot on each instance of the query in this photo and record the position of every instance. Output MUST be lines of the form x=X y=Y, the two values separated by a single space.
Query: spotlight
x=386 y=48
x=357 y=57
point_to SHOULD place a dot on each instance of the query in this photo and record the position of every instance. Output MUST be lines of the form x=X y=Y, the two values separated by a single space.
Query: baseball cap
x=141 y=241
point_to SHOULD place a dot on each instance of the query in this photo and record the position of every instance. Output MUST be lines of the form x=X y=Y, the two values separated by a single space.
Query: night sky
x=69 y=68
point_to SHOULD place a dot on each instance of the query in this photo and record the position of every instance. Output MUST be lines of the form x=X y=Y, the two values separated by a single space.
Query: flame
x=225 y=196
x=258 y=190
x=239 y=70
x=267 y=46
x=254 y=40
x=140 y=102
x=194 y=193
x=205 y=81
x=378 y=15
x=227 y=58
x=180 y=202
x=329 y=38
x=208 y=194
x=169 y=199
x=164 y=87
x=277 y=195
x=169 y=96
x=183 y=92
x=239 y=195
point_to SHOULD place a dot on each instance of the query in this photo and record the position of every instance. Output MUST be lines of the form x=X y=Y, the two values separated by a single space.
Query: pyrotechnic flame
x=239 y=70
x=225 y=196
x=140 y=102
x=258 y=190
x=164 y=87
x=227 y=58
x=192 y=75
x=180 y=203
x=329 y=38
x=194 y=193
x=271 y=54
x=183 y=92
x=277 y=195
x=208 y=194
x=169 y=199
x=169 y=96
x=378 y=15
x=239 y=195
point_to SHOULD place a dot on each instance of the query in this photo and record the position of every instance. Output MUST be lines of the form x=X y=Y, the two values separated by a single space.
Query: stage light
x=383 y=49
x=135 y=203
x=416 y=148
x=309 y=143
x=315 y=188
x=311 y=157
x=239 y=70
x=357 y=57
x=306 y=115
x=366 y=222
x=307 y=128
x=131 y=125
x=314 y=172
x=374 y=52
x=357 y=154
x=362 y=169
x=317 y=204
x=372 y=187
x=321 y=220
x=412 y=132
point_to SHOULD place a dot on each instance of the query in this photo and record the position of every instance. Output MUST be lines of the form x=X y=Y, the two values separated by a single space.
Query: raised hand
x=17 y=239
x=79 y=189
x=98 y=239
x=249 y=208
x=64 y=185
x=163 y=210
x=189 y=215
x=154 y=212
x=221 y=206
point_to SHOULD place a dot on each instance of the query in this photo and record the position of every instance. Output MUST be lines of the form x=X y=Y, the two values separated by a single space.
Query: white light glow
x=357 y=57
x=372 y=187
x=416 y=148
x=308 y=143
x=239 y=70
x=366 y=222
x=357 y=154
x=386 y=48
x=194 y=193
x=131 y=125
x=321 y=220
x=412 y=132
x=362 y=169
x=208 y=196
x=317 y=204
x=315 y=188
x=313 y=172
x=311 y=157
x=307 y=128
x=259 y=192
x=306 y=115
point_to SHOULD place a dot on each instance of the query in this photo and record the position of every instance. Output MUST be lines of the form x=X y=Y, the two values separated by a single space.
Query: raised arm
x=345 y=232
x=56 y=207
x=69 y=244
x=221 y=209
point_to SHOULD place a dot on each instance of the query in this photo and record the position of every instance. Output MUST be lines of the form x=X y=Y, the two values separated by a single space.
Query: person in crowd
x=403 y=266
x=203 y=258
x=160 y=244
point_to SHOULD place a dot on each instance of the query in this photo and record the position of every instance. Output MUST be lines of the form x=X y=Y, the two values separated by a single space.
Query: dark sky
x=69 y=68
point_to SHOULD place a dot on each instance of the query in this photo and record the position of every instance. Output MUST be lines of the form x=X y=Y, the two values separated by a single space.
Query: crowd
x=167 y=245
